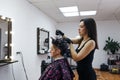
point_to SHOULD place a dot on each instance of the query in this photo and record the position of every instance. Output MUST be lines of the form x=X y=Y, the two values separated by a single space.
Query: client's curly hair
x=61 y=44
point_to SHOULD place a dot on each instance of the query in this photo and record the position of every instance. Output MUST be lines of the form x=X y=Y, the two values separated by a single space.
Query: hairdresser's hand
x=69 y=41
x=58 y=32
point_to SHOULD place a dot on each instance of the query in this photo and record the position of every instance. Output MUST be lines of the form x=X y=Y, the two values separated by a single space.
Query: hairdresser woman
x=84 y=53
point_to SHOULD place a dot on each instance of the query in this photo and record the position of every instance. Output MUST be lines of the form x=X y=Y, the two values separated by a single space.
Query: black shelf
x=114 y=63
x=6 y=62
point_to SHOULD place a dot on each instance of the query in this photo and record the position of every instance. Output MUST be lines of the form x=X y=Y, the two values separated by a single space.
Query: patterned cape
x=58 y=70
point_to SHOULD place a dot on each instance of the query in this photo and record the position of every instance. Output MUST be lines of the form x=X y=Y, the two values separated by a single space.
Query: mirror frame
x=38 y=40
x=9 y=37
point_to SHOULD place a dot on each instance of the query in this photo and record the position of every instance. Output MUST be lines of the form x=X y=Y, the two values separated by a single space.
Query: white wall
x=104 y=29
x=26 y=19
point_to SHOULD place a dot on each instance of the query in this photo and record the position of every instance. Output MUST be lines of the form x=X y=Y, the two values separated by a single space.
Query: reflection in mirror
x=42 y=41
x=5 y=38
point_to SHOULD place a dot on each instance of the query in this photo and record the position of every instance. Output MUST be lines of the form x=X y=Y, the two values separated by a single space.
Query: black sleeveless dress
x=84 y=67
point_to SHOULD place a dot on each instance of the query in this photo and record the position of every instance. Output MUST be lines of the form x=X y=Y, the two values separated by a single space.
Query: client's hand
x=58 y=32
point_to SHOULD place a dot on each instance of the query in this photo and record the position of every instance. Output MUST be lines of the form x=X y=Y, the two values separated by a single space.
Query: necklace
x=83 y=42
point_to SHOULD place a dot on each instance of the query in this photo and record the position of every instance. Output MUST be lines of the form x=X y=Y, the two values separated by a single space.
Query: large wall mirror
x=42 y=41
x=5 y=38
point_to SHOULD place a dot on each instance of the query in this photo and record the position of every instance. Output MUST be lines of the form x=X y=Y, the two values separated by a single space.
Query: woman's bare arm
x=89 y=46
x=75 y=40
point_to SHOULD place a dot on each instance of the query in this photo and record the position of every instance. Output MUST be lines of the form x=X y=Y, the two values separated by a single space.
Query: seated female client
x=59 y=69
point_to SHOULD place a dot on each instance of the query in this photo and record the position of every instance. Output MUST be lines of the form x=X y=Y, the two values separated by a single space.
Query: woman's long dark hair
x=90 y=25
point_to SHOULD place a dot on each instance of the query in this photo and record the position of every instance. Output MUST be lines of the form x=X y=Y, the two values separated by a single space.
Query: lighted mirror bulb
x=11 y=32
x=6 y=57
x=6 y=32
x=6 y=44
x=11 y=45
x=12 y=20
x=12 y=57
x=3 y=17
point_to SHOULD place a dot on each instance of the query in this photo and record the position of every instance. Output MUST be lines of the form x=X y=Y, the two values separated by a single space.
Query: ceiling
x=106 y=9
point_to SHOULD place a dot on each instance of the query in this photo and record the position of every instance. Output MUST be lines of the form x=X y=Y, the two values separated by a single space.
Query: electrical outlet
x=18 y=52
